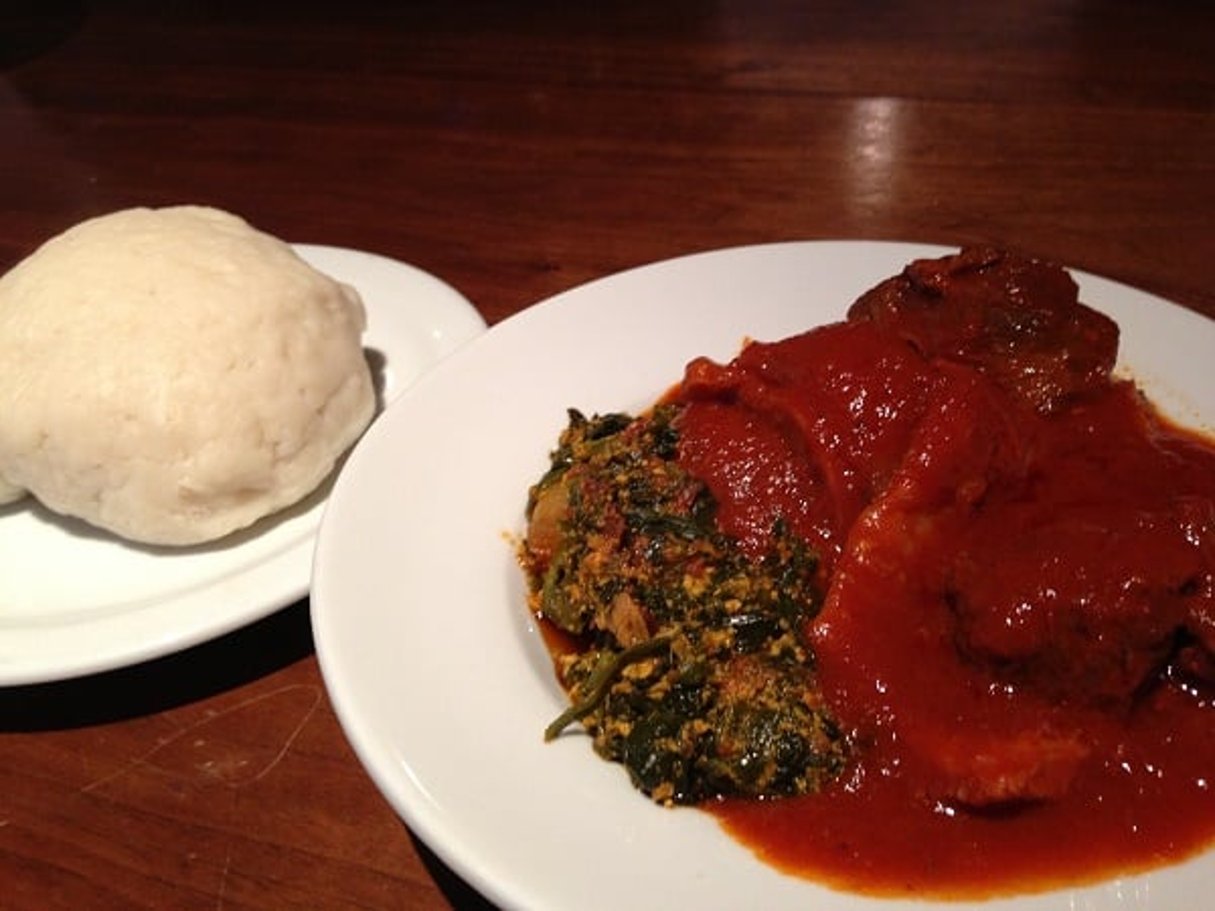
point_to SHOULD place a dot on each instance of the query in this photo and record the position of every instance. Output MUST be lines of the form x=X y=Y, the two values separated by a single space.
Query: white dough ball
x=174 y=374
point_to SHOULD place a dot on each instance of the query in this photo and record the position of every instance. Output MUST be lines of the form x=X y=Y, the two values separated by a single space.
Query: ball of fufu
x=173 y=375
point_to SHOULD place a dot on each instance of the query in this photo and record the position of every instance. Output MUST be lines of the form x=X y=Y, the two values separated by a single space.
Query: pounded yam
x=173 y=375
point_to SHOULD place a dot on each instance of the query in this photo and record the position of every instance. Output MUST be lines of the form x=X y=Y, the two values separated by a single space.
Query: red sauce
x=1019 y=560
x=1142 y=805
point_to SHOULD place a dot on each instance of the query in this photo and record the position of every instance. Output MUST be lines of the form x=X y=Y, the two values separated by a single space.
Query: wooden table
x=517 y=150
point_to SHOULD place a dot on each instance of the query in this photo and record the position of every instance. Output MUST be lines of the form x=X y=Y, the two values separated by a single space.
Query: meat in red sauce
x=1018 y=320
x=1019 y=557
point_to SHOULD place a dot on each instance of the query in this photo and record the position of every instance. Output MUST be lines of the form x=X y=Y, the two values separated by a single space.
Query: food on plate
x=986 y=563
x=693 y=674
x=173 y=375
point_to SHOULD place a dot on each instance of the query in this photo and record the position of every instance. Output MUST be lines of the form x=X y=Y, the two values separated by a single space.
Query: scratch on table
x=147 y=758
x=223 y=878
x=295 y=732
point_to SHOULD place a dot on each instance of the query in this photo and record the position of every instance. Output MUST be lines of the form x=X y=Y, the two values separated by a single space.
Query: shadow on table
x=144 y=689
x=460 y=894
x=30 y=28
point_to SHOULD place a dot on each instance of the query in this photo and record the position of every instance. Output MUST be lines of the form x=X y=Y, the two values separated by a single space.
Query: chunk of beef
x=809 y=428
x=1085 y=605
x=1017 y=319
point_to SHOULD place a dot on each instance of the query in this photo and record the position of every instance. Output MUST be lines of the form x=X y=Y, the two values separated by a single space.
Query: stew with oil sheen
x=1017 y=554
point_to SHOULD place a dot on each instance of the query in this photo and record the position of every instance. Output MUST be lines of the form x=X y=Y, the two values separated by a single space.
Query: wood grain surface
x=517 y=149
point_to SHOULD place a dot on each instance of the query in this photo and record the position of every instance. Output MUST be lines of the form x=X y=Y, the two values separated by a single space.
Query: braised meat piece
x=1087 y=580
x=808 y=429
x=1082 y=606
x=1018 y=320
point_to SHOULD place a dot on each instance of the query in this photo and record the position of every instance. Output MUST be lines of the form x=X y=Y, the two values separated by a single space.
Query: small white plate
x=74 y=600
x=440 y=679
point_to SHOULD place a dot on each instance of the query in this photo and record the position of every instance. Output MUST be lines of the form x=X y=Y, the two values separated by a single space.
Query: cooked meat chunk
x=1017 y=319
x=1083 y=606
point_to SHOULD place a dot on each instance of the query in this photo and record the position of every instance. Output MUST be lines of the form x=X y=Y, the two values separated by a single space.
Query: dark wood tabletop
x=517 y=150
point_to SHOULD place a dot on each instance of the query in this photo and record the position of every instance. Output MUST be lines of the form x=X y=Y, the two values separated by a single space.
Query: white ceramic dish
x=74 y=600
x=437 y=674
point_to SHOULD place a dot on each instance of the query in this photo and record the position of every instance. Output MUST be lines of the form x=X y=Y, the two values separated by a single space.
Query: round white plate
x=74 y=600
x=437 y=673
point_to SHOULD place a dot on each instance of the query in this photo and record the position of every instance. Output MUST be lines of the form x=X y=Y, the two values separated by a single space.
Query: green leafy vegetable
x=689 y=667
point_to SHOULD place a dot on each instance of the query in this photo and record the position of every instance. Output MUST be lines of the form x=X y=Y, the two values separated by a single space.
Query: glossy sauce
x=1146 y=804
x=1018 y=619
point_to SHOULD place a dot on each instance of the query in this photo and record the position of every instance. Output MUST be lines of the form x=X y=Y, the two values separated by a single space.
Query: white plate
x=74 y=600
x=440 y=679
